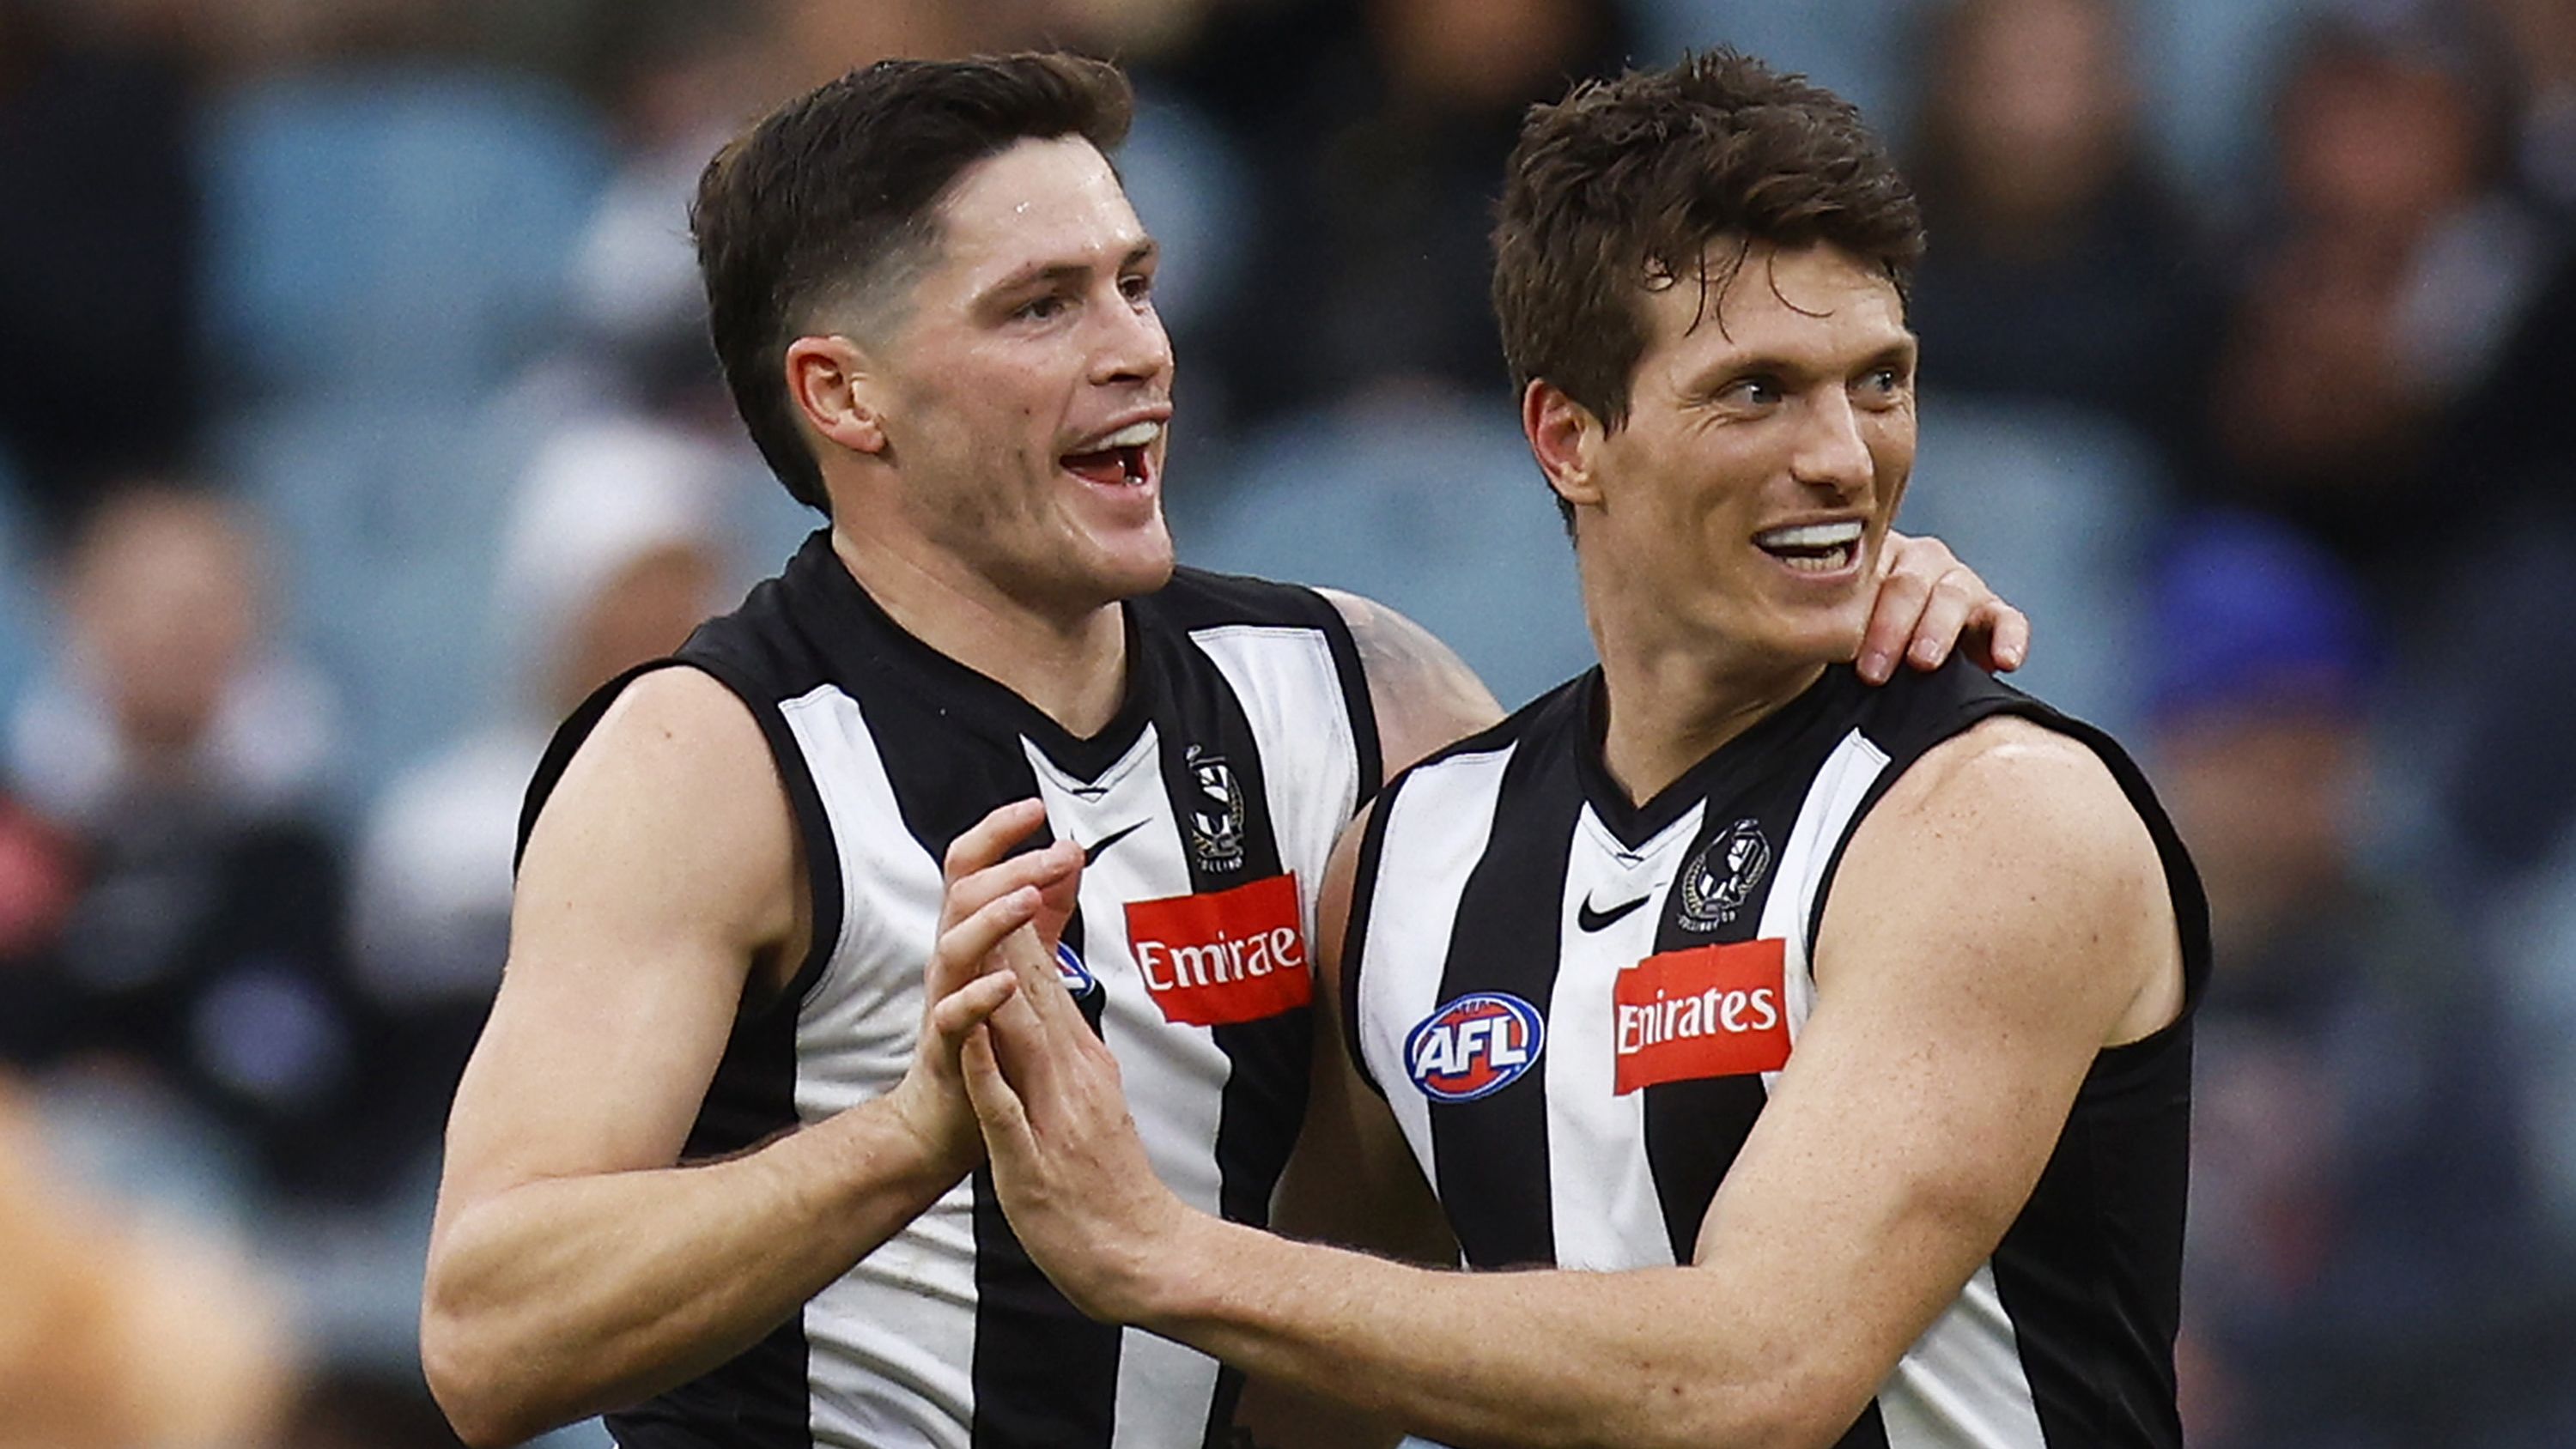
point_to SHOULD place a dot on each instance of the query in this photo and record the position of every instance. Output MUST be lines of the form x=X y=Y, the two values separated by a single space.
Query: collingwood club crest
x=1722 y=876
x=1215 y=814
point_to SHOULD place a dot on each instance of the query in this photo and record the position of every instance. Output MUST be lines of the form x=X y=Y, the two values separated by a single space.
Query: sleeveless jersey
x=1207 y=808
x=1576 y=1007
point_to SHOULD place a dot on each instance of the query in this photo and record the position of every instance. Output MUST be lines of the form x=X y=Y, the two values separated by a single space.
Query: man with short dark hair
x=712 y=1159
x=1839 y=1035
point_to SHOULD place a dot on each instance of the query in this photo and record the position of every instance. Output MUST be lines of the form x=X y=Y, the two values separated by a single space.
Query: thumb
x=997 y=1107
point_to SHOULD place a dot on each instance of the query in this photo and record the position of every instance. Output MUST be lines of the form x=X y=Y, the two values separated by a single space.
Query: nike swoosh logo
x=1092 y=851
x=1592 y=920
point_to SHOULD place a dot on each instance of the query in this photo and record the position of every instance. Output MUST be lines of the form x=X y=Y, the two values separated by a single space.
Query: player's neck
x=1670 y=706
x=1071 y=665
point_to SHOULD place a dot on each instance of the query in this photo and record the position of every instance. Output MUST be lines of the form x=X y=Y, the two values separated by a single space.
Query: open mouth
x=1120 y=458
x=1814 y=548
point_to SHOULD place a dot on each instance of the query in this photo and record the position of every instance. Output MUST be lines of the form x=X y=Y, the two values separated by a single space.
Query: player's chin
x=1129 y=561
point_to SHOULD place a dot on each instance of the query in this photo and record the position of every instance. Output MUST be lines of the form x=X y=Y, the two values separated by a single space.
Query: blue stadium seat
x=26 y=616
x=384 y=518
x=2059 y=511
x=1430 y=505
x=392 y=231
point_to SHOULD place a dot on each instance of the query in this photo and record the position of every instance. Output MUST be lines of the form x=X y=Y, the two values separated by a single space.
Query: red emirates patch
x=1225 y=956
x=1711 y=1011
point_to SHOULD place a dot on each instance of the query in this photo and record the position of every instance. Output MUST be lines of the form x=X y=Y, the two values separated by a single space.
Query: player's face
x=1029 y=382
x=1751 y=488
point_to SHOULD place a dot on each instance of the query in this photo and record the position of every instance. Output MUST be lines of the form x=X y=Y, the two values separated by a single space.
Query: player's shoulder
x=1195 y=598
x=2022 y=790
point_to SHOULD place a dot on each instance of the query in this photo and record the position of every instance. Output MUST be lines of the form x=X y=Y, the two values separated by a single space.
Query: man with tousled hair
x=712 y=1167
x=1839 y=1036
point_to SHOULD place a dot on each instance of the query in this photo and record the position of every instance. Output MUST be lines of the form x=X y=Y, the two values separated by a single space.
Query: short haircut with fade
x=831 y=201
x=1625 y=184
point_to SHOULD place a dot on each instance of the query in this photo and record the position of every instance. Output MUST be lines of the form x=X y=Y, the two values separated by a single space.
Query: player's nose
x=1133 y=346
x=1832 y=452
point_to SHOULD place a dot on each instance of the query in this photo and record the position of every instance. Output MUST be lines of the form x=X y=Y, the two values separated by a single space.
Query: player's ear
x=1565 y=437
x=829 y=381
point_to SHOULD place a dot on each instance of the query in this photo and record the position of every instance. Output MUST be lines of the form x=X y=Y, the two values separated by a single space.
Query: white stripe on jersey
x=1272 y=670
x=1963 y=1381
x=882 y=1370
x=1607 y=1213
x=1831 y=801
x=1436 y=829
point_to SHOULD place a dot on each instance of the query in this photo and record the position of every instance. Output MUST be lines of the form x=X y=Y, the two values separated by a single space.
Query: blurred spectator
x=612 y=557
x=117 y=1334
x=201 y=954
x=2540 y=37
x=1369 y=263
x=2061 y=270
x=2390 y=280
x=99 y=254
x=2358 y=1272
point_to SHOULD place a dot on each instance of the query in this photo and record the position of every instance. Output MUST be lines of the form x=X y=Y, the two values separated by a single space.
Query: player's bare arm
x=1956 y=1017
x=576 y=1264
x=1425 y=697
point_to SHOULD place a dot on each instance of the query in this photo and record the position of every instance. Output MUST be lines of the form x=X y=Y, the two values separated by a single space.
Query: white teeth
x=1811 y=535
x=1134 y=435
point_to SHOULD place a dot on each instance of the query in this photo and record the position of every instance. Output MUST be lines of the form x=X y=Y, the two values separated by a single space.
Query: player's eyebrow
x=1038 y=275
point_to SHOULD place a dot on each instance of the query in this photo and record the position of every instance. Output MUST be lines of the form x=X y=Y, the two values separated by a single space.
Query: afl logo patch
x=1077 y=977
x=1474 y=1046
x=1721 y=878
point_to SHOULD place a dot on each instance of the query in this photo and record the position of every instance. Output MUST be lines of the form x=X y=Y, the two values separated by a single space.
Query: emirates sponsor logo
x=1710 y=1011
x=1223 y=957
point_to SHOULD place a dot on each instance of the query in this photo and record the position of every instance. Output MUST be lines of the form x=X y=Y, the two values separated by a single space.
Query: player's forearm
x=563 y=1297
x=1642 y=1358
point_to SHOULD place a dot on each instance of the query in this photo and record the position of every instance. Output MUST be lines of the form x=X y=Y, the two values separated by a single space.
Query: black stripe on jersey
x=1355 y=698
x=2102 y=1228
x=1513 y=898
x=1694 y=1128
x=1200 y=723
x=1355 y=935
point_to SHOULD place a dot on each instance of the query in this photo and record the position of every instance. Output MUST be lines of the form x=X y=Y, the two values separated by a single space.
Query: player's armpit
x=1997 y=920
x=1424 y=695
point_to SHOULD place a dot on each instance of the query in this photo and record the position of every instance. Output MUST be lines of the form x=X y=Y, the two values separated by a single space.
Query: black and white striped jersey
x=1208 y=808
x=1575 y=1008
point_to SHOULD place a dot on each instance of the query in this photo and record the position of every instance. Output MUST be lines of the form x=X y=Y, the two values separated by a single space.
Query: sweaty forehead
x=1037 y=204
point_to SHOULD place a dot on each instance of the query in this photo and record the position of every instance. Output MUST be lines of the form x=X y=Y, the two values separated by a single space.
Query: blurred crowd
x=355 y=420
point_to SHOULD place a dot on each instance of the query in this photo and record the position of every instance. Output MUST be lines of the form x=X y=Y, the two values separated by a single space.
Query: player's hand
x=1928 y=604
x=1071 y=1172
x=990 y=895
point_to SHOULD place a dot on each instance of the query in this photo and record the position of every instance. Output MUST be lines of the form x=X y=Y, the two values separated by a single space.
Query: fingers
x=1051 y=872
x=959 y=954
x=2006 y=633
x=966 y=1008
x=1945 y=614
x=986 y=841
x=1892 y=619
x=997 y=1107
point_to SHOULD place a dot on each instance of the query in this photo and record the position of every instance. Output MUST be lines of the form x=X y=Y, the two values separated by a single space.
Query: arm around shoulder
x=1424 y=695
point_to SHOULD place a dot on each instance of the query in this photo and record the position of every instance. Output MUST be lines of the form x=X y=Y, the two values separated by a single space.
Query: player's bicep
x=1424 y=695
x=1992 y=923
x=661 y=867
